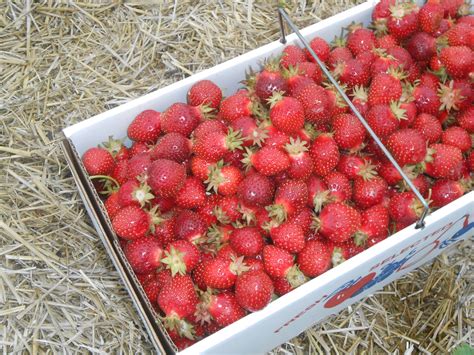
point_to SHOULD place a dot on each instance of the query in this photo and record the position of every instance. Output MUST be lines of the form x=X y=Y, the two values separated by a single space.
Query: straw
x=62 y=62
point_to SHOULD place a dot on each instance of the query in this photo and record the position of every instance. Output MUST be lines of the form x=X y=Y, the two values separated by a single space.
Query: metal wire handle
x=282 y=15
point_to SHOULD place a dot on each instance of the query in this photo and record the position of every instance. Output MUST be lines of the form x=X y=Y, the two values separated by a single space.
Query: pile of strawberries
x=222 y=204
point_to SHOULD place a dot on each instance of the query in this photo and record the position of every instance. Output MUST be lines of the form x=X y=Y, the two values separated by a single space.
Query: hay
x=62 y=62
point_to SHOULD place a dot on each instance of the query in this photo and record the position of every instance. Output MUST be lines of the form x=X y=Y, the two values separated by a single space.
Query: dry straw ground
x=64 y=61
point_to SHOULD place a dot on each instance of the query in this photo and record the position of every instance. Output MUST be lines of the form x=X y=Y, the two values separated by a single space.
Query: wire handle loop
x=282 y=14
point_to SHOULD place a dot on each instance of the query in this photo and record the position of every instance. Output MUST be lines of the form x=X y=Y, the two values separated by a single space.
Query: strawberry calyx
x=238 y=266
x=360 y=238
x=215 y=177
x=182 y=327
x=310 y=130
x=233 y=140
x=277 y=212
x=449 y=97
x=276 y=97
x=142 y=193
x=155 y=218
x=400 y=10
x=108 y=181
x=113 y=146
x=221 y=215
x=367 y=171
x=337 y=256
x=216 y=235
x=247 y=160
x=295 y=276
x=321 y=199
x=202 y=314
x=379 y=26
x=398 y=111
x=296 y=146
x=174 y=260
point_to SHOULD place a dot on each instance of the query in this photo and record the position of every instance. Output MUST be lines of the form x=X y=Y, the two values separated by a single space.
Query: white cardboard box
x=291 y=314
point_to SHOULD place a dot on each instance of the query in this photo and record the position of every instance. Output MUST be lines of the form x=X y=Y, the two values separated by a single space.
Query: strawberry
x=290 y=197
x=429 y=17
x=177 y=298
x=145 y=127
x=180 y=118
x=164 y=231
x=192 y=194
x=301 y=164
x=318 y=193
x=382 y=9
x=205 y=92
x=385 y=119
x=227 y=210
x=352 y=72
x=209 y=126
x=117 y=149
x=144 y=254
x=288 y=236
x=466 y=119
x=385 y=88
x=166 y=177
x=374 y=225
x=253 y=290
x=457 y=137
x=428 y=126
x=252 y=134
x=457 y=95
x=430 y=80
x=303 y=219
x=383 y=62
x=360 y=99
x=137 y=148
x=445 y=163
x=369 y=192
x=408 y=146
x=292 y=56
x=247 y=241
x=134 y=193
x=470 y=161
x=421 y=46
x=403 y=20
x=344 y=251
x=172 y=146
x=131 y=222
x=181 y=257
x=286 y=113
x=339 y=186
x=312 y=71
x=445 y=191
x=224 y=308
x=296 y=80
x=98 y=161
x=120 y=172
x=325 y=154
x=269 y=80
x=189 y=226
x=458 y=61
x=256 y=190
x=268 y=161
x=389 y=173
x=152 y=288
x=461 y=34
x=221 y=273
x=215 y=145
x=360 y=40
x=426 y=100
x=320 y=47
x=200 y=167
x=314 y=259
x=349 y=133
x=112 y=205
x=277 y=261
x=386 y=41
x=337 y=222
x=353 y=166
x=315 y=103
x=236 y=106
x=337 y=55
x=405 y=208
x=223 y=179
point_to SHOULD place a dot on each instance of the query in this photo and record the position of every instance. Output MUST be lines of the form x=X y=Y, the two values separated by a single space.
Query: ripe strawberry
x=451 y=7
x=325 y=154
x=152 y=288
x=421 y=46
x=312 y=71
x=385 y=119
x=292 y=56
x=256 y=190
x=172 y=146
x=209 y=126
x=320 y=47
x=134 y=193
x=178 y=298
x=131 y=222
x=337 y=55
x=303 y=219
x=215 y=145
x=383 y=62
x=189 y=226
x=236 y=106
x=296 y=80
x=252 y=133
x=112 y=205
x=290 y=197
x=314 y=259
x=344 y=251
x=120 y=172
x=429 y=17
x=374 y=225
x=277 y=261
x=164 y=231
x=386 y=41
x=269 y=80
x=288 y=236
x=354 y=165
x=221 y=273
x=145 y=127
x=268 y=161
x=137 y=148
x=253 y=290
x=180 y=118
x=361 y=40
x=227 y=210
x=446 y=162
x=457 y=137
x=349 y=133
x=446 y=191
x=428 y=126
x=339 y=186
x=408 y=146
x=247 y=241
x=466 y=119
x=403 y=20
x=457 y=95
x=192 y=194
x=382 y=9
x=138 y=165
x=426 y=100
x=315 y=103
x=360 y=99
x=181 y=257
x=144 y=254
x=286 y=113
x=405 y=208
x=389 y=173
x=458 y=61
x=352 y=72
x=223 y=179
x=224 y=308
x=338 y=222
x=166 y=177
x=200 y=167
x=461 y=34
x=369 y=192
x=205 y=92
x=385 y=88
x=301 y=164
x=98 y=161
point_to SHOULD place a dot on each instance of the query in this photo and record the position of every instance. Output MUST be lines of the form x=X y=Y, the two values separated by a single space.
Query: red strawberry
x=466 y=119
x=405 y=208
x=189 y=226
x=303 y=219
x=178 y=298
x=253 y=290
x=457 y=95
x=290 y=198
x=145 y=127
x=252 y=133
x=386 y=41
x=172 y=146
x=462 y=34
x=221 y=273
x=339 y=186
x=256 y=190
x=312 y=71
x=207 y=127
x=112 y=205
x=338 y=54
x=385 y=119
x=361 y=40
x=426 y=100
x=288 y=236
x=247 y=241
x=349 y=133
x=352 y=72
x=318 y=194
x=268 y=161
x=446 y=191
x=407 y=146
x=353 y=166
x=430 y=80
x=215 y=145
x=138 y=165
x=144 y=254
x=360 y=99
x=421 y=46
x=236 y=106
x=180 y=118
x=296 y=80
x=446 y=162
x=374 y=226
x=338 y=222
x=200 y=167
x=277 y=261
x=428 y=126
x=384 y=88
x=137 y=148
x=192 y=194
x=286 y=113
x=98 y=161
x=314 y=259
x=320 y=47
x=458 y=61
x=131 y=222
x=152 y=288
x=315 y=103
x=205 y=92
x=369 y=192
x=224 y=308
x=292 y=56
x=181 y=257
x=344 y=251
x=227 y=210
x=457 y=137
x=325 y=154
x=134 y=193
x=166 y=177
x=224 y=179
x=120 y=172
x=403 y=20
x=429 y=17
x=269 y=80
x=301 y=164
